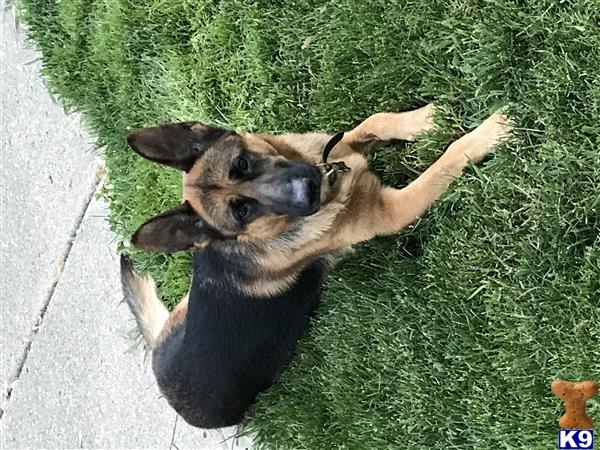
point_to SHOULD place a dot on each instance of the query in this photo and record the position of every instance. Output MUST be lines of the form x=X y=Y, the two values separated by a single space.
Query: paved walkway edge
x=15 y=372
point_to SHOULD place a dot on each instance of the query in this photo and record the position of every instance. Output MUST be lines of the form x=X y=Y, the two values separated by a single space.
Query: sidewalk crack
x=16 y=372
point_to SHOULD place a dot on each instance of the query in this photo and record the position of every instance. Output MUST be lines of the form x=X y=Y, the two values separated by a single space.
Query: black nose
x=305 y=194
x=292 y=188
x=314 y=192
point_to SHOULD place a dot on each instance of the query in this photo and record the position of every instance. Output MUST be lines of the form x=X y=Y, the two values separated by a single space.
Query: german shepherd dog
x=263 y=216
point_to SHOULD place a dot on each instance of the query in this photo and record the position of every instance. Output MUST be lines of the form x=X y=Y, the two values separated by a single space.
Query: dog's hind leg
x=176 y=317
x=383 y=127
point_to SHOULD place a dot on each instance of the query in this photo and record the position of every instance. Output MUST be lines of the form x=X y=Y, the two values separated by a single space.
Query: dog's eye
x=242 y=164
x=241 y=211
x=240 y=168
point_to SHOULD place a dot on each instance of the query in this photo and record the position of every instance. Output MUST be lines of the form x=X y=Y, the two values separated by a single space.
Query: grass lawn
x=449 y=334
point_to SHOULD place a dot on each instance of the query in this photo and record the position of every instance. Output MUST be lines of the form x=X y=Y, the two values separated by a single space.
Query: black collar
x=329 y=146
x=331 y=169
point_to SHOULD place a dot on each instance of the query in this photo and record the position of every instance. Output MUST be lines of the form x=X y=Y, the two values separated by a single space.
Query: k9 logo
x=569 y=439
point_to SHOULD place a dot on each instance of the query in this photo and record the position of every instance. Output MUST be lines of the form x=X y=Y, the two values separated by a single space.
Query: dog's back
x=212 y=360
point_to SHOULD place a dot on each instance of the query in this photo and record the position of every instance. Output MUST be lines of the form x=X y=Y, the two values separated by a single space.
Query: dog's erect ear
x=177 y=145
x=175 y=230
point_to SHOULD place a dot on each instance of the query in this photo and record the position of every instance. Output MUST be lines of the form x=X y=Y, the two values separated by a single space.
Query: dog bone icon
x=574 y=395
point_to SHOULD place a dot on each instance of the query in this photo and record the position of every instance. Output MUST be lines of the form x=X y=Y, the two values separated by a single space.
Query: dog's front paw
x=493 y=130
x=421 y=120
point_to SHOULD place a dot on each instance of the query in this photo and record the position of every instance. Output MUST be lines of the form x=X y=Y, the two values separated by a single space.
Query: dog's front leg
x=378 y=128
x=401 y=207
x=384 y=127
x=376 y=210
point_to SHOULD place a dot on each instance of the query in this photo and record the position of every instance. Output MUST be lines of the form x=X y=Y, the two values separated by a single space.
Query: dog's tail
x=140 y=294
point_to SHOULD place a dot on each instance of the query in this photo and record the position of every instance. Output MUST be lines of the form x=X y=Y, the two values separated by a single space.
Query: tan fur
x=383 y=127
x=356 y=208
x=150 y=313
x=154 y=320
x=263 y=228
x=362 y=208
x=176 y=318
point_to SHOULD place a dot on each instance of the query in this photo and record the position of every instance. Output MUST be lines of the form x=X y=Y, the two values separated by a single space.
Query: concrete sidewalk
x=70 y=376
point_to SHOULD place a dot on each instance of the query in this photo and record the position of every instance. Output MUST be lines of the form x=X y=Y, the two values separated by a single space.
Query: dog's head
x=235 y=186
